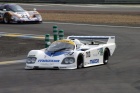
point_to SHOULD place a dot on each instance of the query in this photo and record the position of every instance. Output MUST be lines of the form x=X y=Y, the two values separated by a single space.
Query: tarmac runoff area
x=15 y=46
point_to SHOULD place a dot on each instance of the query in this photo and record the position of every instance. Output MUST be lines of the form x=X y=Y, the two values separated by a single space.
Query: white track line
x=91 y=25
x=12 y=62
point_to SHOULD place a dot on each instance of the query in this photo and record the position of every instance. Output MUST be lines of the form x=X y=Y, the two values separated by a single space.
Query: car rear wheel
x=106 y=56
x=80 y=61
x=5 y=19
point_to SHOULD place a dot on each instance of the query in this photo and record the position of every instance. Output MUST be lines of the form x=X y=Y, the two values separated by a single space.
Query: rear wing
x=105 y=39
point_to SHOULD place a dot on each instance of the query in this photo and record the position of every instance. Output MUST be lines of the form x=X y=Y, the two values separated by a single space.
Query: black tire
x=80 y=61
x=6 y=19
x=40 y=22
x=106 y=56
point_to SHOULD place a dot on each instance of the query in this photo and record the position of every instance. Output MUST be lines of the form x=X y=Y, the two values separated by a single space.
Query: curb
x=24 y=36
x=12 y=62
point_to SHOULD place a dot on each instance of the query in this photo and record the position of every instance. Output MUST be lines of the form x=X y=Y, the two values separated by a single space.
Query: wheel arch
x=106 y=55
x=8 y=15
x=80 y=59
x=80 y=55
x=108 y=50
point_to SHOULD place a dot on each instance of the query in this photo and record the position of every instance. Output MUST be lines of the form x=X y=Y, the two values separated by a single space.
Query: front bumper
x=70 y=66
x=26 y=20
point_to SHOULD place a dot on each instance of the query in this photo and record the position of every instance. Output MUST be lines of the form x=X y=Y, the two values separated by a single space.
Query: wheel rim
x=106 y=61
x=80 y=65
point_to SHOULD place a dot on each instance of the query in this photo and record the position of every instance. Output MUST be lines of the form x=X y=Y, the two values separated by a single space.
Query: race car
x=13 y=13
x=73 y=53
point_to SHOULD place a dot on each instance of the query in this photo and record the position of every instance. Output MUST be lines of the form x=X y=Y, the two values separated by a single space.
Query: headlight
x=68 y=60
x=38 y=16
x=31 y=60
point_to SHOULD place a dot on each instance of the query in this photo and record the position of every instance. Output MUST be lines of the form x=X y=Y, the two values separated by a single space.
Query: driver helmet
x=78 y=43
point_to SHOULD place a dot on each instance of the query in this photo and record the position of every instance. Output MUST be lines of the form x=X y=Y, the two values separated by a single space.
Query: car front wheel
x=80 y=61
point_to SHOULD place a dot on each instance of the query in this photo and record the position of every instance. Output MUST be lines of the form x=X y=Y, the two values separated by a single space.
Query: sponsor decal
x=94 y=61
x=47 y=60
x=88 y=54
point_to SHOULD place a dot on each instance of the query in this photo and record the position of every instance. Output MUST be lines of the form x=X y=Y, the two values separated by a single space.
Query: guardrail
x=75 y=1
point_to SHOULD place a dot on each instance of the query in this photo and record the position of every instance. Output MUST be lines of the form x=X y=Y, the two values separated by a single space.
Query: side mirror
x=4 y=10
x=34 y=9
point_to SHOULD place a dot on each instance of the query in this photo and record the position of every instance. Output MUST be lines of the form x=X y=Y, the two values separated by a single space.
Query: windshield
x=61 y=45
x=15 y=8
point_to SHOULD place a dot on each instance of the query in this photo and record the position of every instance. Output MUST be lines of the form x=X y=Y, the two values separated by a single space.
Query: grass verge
x=92 y=17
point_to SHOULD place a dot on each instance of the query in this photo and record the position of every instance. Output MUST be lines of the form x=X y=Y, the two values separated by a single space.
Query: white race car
x=73 y=52
x=13 y=13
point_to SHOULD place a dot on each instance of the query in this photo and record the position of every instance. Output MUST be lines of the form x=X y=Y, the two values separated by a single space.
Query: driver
x=78 y=43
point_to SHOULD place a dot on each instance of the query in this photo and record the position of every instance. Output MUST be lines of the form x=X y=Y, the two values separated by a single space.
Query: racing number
x=88 y=54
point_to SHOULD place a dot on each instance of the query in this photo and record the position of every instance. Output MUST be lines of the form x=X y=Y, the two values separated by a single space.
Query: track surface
x=121 y=75
x=96 y=7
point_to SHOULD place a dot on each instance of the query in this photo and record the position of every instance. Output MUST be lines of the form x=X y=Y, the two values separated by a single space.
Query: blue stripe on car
x=55 y=53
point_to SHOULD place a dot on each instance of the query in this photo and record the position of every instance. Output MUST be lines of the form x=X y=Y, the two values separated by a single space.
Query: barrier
x=47 y=40
x=61 y=34
x=58 y=35
x=55 y=33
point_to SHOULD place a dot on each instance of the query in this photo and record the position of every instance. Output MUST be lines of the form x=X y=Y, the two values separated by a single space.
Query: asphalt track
x=85 y=7
x=121 y=75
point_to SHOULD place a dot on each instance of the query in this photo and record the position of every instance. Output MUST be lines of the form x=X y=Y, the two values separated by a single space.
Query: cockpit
x=61 y=45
